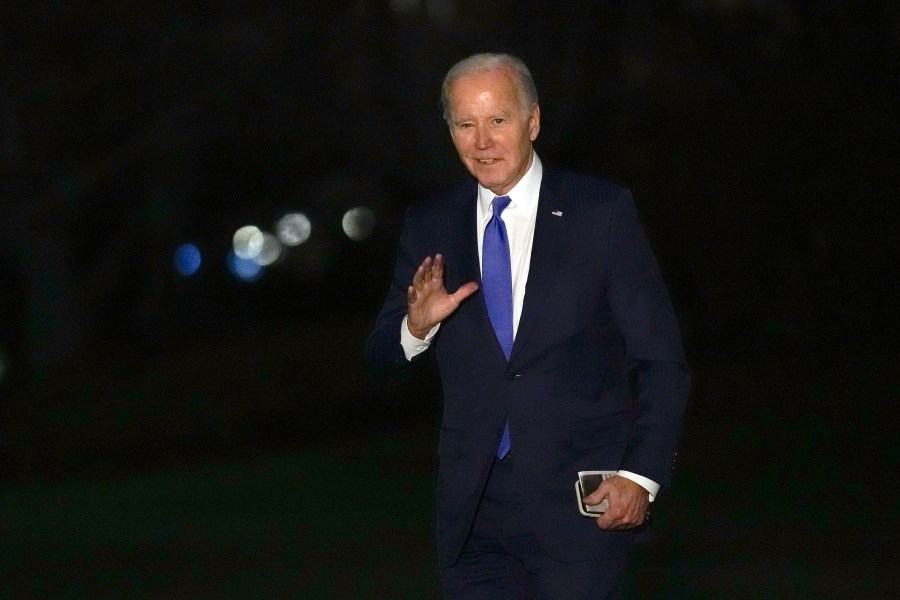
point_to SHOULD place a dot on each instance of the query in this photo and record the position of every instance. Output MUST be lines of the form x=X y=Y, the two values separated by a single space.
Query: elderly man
x=539 y=295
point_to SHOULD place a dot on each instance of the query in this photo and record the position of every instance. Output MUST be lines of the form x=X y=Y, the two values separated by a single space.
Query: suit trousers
x=503 y=560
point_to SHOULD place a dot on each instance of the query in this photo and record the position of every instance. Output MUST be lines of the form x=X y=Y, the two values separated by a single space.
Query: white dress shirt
x=519 y=217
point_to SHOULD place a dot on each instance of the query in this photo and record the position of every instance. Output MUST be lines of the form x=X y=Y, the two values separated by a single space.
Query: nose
x=482 y=138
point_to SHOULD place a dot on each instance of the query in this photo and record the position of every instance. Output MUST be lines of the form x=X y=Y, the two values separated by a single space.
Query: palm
x=428 y=301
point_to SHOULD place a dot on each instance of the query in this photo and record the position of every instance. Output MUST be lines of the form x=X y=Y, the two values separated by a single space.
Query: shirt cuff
x=648 y=484
x=413 y=346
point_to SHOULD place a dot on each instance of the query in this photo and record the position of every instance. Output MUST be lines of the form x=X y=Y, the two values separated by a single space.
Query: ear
x=534 y=123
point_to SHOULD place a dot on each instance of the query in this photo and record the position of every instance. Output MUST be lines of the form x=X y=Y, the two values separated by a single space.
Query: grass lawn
x=775 y=503
x=349 y=521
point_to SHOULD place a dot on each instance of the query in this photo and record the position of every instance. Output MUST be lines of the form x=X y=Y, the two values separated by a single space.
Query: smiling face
x=491 y=129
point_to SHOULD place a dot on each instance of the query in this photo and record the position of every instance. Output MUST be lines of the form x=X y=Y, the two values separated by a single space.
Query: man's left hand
x=628 y=503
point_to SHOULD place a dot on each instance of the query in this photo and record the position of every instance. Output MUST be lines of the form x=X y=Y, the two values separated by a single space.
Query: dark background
x=759 y=139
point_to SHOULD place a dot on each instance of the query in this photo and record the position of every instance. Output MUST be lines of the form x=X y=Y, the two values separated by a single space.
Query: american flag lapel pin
x=556 y=213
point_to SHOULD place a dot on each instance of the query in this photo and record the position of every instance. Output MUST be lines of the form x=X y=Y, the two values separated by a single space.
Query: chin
x=490 y=182
x=491 y=185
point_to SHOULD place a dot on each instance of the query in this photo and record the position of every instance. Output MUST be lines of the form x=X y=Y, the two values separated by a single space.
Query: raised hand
x=428 y=302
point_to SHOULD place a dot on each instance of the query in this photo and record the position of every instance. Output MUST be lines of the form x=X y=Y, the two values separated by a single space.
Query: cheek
x=461 y=143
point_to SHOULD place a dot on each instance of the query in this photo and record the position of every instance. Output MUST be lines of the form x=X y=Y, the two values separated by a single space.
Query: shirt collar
x=523 y=195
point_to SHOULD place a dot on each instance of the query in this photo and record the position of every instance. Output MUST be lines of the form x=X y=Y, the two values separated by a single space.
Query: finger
x=411 y=295
x=464 y=291
x=606 y=521
x=418 y=275
x=609 y=521
x=597 y=496
x=437 y=269
x=423 y=273
x=621 y=518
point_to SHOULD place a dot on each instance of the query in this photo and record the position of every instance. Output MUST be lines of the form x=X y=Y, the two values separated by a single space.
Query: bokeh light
x=245 y=269
x=248 y=241
x=188 y=259
x=270 y=250
x=358 y=223
x=293 y=229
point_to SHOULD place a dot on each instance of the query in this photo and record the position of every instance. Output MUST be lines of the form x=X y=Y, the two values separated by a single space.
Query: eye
x=499 y=121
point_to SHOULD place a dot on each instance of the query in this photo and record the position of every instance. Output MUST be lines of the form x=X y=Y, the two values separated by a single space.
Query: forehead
x=495 y=89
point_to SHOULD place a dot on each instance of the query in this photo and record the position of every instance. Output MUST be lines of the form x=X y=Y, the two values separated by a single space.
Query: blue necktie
x=496 y=276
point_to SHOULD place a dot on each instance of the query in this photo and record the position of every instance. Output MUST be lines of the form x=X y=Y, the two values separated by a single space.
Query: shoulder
x=594 y=197
x=444 y=205
x=582 y=185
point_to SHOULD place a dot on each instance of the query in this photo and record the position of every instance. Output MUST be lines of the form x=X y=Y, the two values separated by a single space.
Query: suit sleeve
x=653 y=348
x=384 y=353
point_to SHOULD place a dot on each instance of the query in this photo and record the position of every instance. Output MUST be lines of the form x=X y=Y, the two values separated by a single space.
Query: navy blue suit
x=595 y=309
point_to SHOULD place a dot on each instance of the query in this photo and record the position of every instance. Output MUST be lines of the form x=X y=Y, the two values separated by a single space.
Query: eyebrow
x=504 y=114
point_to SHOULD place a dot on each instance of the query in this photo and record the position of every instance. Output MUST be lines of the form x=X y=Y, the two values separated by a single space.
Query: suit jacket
x=595 y=313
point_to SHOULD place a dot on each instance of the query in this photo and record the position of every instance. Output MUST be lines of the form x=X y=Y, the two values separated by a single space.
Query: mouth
x=487 y=161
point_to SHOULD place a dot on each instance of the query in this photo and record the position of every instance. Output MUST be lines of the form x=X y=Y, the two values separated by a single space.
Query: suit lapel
x=470 y=270
x=548 y=233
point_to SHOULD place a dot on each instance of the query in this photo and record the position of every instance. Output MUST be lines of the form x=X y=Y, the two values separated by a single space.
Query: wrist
x=419 y=334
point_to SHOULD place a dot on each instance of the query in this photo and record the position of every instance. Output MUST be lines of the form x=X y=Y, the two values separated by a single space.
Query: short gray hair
x=481 y=63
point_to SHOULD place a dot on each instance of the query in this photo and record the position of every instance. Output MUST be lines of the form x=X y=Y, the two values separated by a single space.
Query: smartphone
x=588 y=482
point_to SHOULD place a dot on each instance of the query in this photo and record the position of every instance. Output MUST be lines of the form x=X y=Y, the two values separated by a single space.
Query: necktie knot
x=499 y=203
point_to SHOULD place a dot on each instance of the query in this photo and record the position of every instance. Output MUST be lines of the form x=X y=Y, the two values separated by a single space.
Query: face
x=491 y=129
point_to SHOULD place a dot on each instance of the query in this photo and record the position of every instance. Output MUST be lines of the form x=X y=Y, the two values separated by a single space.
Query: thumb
x=597 y=496
x=464 y=291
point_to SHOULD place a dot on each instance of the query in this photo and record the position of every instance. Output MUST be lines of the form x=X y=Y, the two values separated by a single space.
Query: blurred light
x=188 y=259
x=358 y=223
x=293 y=229
x=269 y=252
x=248 y=241
x=244 y=269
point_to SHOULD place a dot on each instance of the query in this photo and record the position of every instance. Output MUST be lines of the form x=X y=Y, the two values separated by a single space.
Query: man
x=539 y=295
